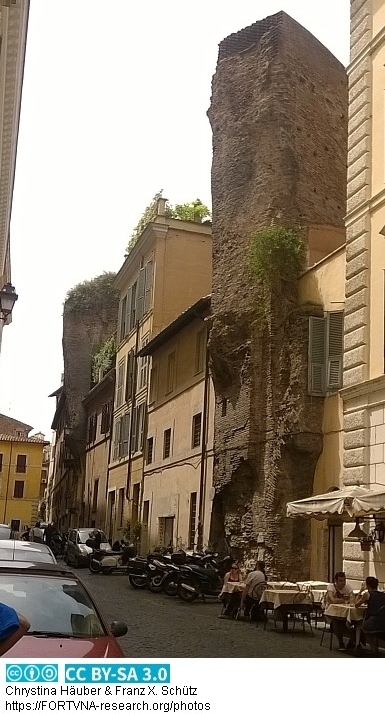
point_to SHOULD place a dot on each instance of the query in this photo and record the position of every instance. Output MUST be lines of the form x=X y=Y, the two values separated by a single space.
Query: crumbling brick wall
x=279 y=120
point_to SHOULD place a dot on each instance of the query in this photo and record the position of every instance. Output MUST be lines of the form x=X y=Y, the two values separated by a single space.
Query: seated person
x=374 y=622
x=256 y=577
x=12 y=628
x=231 y=600
x=337 y=593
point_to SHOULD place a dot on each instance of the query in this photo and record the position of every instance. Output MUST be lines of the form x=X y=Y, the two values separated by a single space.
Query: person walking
x=36 y=535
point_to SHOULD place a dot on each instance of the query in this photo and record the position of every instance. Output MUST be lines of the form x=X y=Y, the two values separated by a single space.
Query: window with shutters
x=166 y=443
x=141 y=291
x=18 y=489
x=120 y=383
x=325 y=353
x=143 y=370
x=120 y=507
x=200 y=351
x=140 y=422
x=133 y=315
x=170 y=379
x=130 y=375
x=196 y=430
x=149 y=276
x=92 y=427
x=123 y=319
x=117 y=429
x=124 y=435
x=153 y=384
x=21 y=464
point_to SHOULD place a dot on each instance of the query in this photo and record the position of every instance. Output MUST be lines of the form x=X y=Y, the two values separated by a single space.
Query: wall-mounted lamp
x=368 y=540
x=8 y=297
x=357 y=531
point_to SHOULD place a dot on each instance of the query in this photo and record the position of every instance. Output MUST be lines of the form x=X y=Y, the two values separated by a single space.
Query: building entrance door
x=335 y=555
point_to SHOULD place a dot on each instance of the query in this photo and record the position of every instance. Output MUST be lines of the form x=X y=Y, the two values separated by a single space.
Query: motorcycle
x=143 y=572
x=113 y=561
x=205 y=579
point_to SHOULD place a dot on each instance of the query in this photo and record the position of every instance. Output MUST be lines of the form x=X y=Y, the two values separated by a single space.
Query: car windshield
x=53 y=605
x=83 y=536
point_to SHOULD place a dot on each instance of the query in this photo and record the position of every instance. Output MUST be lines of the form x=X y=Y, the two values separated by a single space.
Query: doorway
x=166 y=532
x=335 y=550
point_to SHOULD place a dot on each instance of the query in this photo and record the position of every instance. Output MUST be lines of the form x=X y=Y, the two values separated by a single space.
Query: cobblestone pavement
x=160 y=626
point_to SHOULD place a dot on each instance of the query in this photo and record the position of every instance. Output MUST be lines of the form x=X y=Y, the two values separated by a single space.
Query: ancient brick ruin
x=279 y=120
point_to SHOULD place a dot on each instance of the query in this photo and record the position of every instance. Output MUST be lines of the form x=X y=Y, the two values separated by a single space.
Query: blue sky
x=114 y=109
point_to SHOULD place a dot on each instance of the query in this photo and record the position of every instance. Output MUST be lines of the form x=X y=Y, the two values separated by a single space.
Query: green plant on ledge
x=132 y=531
x=103 y=360
x=277 y=255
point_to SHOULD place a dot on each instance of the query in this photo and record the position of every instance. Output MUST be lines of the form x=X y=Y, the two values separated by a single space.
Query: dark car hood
x=40 y=647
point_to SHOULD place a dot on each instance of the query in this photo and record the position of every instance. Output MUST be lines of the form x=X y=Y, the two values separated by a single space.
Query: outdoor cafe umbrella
x=344 y=501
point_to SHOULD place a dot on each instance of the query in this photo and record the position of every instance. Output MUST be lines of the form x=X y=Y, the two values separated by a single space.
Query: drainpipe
x=202 y=484
x=109 y=456
x=145 y=432
x=133 y=393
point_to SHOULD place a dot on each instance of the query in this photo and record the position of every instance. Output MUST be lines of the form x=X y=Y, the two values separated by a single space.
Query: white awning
x=333 y=503
x=372 y=502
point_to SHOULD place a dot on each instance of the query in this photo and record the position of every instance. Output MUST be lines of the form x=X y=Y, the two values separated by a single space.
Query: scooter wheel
x=170 y=587
x=154 y=583
x=93 y=567
x=137 y=582
x=187 y=595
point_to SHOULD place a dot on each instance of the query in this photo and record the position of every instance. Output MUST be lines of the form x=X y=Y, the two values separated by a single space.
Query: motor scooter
x=111 y=562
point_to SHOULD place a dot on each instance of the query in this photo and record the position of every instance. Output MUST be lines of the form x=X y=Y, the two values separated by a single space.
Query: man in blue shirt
x=12 y=628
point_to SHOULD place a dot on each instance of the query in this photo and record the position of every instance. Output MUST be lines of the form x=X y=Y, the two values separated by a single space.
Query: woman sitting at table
x=374 y=622
x=231 y=600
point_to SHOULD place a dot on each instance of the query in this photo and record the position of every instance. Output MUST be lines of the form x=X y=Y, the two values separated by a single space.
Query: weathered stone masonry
x=279 y=120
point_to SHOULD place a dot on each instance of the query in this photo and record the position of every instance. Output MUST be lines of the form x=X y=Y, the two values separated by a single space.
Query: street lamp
x=8 y=297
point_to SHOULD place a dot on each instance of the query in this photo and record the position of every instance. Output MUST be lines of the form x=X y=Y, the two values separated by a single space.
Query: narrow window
x=1 y=462
x=171 y=360
x=117 y=430
x=146 y=512
x=21 y=464
x=192 y=520
x=148 y=286
x=196 y=430
x=106 y=418
x=143 y=372
x=150 y=449
x=166 y=443
x=123 y=319
x=154 y=384
x=133 y=306
x=18 y=489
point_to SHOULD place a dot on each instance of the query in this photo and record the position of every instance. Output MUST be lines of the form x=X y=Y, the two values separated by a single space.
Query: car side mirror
x=118 y=628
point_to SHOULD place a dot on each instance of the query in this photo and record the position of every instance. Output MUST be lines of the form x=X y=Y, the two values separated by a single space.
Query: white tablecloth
x=233 y=587
x=347 y=612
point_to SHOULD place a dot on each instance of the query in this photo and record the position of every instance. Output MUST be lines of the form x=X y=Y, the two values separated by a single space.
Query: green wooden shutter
x=334 y=349
x=116 y=439
x=140 y=299
x=316 y=373
x=148 y=286
x=128 y=313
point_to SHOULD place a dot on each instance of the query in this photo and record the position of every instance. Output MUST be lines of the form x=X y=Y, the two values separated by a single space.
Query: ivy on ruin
x=277 y=258
x=92 y=294
x=104 y=359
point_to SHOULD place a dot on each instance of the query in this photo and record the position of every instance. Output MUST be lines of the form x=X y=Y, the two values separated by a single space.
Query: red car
x=65 y=620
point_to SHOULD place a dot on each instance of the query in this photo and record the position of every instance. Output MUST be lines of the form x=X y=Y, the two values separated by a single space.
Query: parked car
x=18 y=550
x=65 y=620
x=77 y=552
x=5 y=532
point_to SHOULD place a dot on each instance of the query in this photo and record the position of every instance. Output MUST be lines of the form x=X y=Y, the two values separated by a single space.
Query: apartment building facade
x=167 y=271
x=178 y=471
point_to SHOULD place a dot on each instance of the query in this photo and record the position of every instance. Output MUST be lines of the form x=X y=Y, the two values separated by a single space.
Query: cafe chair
x=303 y=609
x=328 y=628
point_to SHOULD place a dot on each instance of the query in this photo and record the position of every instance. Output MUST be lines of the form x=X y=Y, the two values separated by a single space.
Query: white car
x=5 y=532
x=20 y=551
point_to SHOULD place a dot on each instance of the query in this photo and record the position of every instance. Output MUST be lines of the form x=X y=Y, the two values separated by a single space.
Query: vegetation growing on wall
x=92 y=294
x=277 y=256
x=193 y=211
x=104 y=359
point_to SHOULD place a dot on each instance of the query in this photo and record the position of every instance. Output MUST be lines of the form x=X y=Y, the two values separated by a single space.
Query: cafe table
x=352 y=615
x=285 y=601
x=233 y=587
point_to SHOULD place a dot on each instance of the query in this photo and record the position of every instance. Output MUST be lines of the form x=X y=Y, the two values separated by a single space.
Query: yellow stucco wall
x=23 y=509
x=324 y=283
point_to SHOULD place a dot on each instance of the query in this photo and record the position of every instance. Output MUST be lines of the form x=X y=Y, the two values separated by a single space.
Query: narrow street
x=160 y=626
